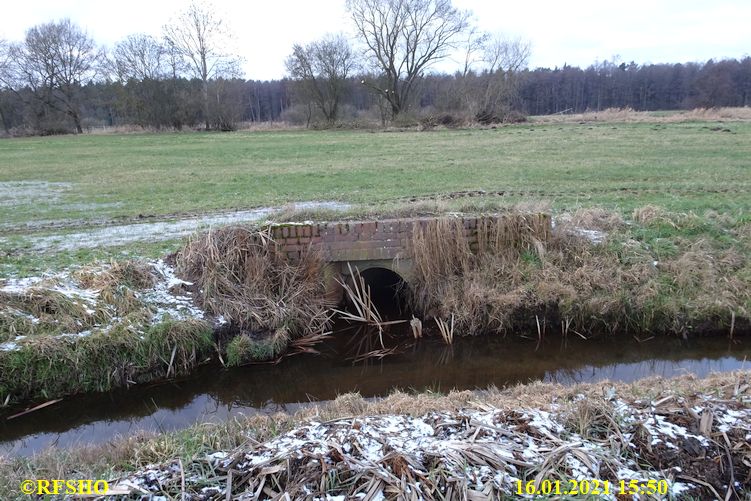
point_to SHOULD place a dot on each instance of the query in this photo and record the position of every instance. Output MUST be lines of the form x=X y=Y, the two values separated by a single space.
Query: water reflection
x=213 y=393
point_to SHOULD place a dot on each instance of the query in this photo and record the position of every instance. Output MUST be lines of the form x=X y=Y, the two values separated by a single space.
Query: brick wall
x=387 y=239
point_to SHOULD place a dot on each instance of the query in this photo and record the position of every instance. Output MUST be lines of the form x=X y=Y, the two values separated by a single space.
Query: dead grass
x=244 y=279
x=101 y=294
x=628 y=115
x=596 y=218
x=131 y=273
x=54 y=311
x=673 y=279
x=588 y=407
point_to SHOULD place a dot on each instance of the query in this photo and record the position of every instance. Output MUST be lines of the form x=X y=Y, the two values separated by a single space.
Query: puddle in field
x=112 y=236
x=213 y=393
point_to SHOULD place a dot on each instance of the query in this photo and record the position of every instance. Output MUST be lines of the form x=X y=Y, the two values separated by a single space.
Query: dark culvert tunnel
x=388 y=292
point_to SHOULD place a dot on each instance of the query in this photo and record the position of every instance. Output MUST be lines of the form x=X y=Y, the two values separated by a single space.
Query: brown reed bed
x=663 y=273
x=241 y=277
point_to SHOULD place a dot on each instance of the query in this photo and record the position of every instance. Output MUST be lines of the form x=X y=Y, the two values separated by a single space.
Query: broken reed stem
x=360 y=296
x=416 y=325
x=446 y=329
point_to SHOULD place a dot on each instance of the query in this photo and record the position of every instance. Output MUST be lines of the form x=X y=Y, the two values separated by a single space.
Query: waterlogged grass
x=681 y=166
x=243 y=349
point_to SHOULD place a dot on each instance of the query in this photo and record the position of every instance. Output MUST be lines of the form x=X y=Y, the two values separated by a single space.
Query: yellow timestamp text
x=59 y=486
x=593 y=487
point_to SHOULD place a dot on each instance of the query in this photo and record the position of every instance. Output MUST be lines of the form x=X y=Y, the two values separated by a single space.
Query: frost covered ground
x=699 y=446
x=116 y=235
x=34 y=305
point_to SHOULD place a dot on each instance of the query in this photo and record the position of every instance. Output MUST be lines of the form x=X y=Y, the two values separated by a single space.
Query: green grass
x=683 y=166
x=19 y=261
x=55 y=367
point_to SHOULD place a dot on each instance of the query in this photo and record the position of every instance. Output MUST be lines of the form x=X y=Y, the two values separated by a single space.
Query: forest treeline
x=176 y=103
x=58 y=80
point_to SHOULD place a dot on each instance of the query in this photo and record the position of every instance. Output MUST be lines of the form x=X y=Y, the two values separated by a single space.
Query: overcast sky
x=577 y=32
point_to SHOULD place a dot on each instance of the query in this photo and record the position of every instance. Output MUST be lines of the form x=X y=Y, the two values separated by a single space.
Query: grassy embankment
x=672 y=200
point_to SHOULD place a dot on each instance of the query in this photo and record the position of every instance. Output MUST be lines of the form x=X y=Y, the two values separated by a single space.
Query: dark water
x=213 y=393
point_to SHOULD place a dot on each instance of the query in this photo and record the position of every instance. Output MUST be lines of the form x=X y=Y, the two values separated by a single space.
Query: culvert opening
x=388 y=292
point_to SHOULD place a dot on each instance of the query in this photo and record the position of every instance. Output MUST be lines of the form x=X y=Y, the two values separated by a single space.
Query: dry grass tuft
x=650 y=214
x=243 y=278
x=597 y=219
x=131 y=273
x=53 y=312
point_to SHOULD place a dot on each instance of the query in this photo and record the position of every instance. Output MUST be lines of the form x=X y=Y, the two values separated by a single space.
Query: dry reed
x=244 y=279
x=517 y=276
x=446 y=330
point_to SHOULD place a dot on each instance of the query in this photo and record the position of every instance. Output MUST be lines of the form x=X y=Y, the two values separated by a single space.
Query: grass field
x=680 y=166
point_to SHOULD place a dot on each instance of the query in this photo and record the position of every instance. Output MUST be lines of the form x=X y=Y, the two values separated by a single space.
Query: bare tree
x=54 y=61
x=473 y=48
x=321 y=69
x=139 y=57
x=201 y=39
x=489 y=82
x=405 y=37
x=503 y=60
x=4 y=57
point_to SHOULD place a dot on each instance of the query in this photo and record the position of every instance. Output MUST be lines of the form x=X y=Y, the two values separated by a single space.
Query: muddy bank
x=694 y=434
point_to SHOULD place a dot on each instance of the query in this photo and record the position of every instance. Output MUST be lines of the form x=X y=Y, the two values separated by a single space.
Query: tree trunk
x=206 y=103
x=6 y=125
x=77 y=122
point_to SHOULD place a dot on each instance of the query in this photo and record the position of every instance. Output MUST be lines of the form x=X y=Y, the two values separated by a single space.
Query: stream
x=213 y=393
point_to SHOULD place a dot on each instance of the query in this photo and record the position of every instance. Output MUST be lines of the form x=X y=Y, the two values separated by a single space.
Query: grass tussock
x=244 y=349
x=596 y=218
x=93 y=296
x=663 y=272
x=132 y=273
x=47 y=311
x=245 y=279
x=105 y=359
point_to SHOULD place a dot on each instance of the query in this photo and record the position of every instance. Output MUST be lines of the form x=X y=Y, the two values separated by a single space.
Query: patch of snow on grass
x=17 y=193
x=112 y=236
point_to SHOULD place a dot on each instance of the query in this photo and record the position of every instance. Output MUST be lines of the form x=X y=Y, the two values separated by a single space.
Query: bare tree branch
x=321 y=69
x=139 y=57
x=54 y=61
x=201 y=39
x=404 y=38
